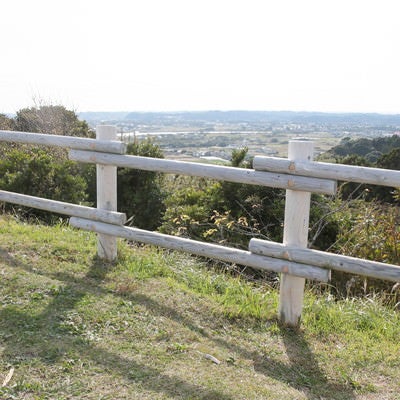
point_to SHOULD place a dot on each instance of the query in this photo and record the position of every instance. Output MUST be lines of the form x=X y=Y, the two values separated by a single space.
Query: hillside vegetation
x=361 y=221
x=160 y=325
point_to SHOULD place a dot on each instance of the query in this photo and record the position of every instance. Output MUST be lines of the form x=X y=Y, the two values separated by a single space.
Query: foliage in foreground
x=371 y=231
x=153 y=326
x=43 y=171
x=47 y=172
x=35 y=171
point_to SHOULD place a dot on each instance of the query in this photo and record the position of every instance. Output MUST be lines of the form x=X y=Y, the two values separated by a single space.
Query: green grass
x=73 y=327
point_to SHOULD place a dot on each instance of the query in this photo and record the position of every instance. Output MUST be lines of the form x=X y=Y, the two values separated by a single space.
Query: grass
x=73 y=327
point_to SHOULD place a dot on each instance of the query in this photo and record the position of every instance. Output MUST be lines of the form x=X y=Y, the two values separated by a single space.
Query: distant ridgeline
x=235 y=116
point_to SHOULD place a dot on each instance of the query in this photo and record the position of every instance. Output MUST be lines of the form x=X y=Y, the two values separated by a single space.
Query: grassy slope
x=73 y=328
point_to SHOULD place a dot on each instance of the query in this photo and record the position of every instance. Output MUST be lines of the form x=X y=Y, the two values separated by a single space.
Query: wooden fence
x=298 y=174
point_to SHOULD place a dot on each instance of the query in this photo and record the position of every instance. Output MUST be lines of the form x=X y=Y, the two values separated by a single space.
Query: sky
x=175 y=55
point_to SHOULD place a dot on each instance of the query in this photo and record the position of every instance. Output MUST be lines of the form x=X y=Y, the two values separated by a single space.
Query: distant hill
x=99 y=116
x=371 y=149
x=237 y=116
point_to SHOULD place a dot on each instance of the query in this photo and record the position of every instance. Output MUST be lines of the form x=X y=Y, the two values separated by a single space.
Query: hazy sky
x=95 y=55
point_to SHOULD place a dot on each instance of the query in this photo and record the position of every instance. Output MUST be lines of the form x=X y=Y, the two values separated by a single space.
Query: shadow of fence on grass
x=301 y=372
x=49 y=341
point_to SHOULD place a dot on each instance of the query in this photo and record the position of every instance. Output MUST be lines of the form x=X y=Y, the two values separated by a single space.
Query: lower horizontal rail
x=209 y=250
x=60 y=207
x=323 y=259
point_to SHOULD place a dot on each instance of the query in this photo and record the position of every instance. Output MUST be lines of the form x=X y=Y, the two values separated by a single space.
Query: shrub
x=43 y=171
x=371 y=231
x=223 y=212
x=140 y=193
x=40 y=172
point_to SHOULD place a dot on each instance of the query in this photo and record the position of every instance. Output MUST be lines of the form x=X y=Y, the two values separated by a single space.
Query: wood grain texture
x=106 y=177
x=295 y=232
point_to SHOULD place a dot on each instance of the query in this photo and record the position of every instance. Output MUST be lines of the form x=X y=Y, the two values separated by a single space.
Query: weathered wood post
x=295 y=233
x=106 y=194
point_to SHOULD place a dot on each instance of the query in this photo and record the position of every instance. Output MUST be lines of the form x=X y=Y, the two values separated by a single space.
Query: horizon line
x=176 y=111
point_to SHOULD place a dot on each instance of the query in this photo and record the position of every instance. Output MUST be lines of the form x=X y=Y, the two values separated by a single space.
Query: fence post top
x=105 y=126
x=300 y=150
x=106 y=132
x=301 y=142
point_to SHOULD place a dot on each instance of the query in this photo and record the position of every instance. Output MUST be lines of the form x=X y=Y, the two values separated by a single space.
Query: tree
x=390 y=160
x=55 y=120
x=238 y=157
x=6 y=123
x=363 y=147
x=43 y=171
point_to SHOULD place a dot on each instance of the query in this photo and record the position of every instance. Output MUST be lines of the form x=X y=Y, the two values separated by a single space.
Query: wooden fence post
x=106 y=194
x=295 y=233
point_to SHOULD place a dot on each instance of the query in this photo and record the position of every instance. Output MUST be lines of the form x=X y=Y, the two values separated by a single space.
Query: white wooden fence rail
x=299 y=175
x=352 y=173
x=218 y=172
x=60 y=207
x=203 y=249
x=352 y=265
x=72 y=142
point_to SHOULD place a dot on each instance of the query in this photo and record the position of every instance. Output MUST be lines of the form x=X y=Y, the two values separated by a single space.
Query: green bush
x=189 y=205
x=40 y=172
x=140 y=193
x=367 y=230
x=223 y=212
x=43 y=171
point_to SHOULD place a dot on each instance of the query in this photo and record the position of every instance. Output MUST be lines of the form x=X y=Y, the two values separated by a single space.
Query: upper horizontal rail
x=219 y=172
x=71 y=142
x=203 y=249
x=352 y=173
